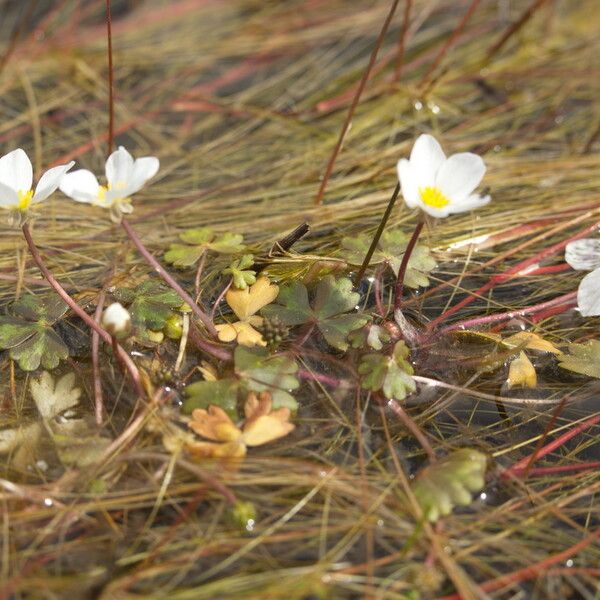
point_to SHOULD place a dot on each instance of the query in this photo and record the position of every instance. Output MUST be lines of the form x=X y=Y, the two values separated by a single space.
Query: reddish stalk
x=89 y=321
x=404 y=264
x=111 y=83
x=515 y=271
x=522 y=464
x=377 y=291
x=168 y=279
x=98 y=400
x=542 y=471
x=567 y=300
x=402 y=41
x=412 y=427
x=355 y=101
x=534 y=570
x=455 y=35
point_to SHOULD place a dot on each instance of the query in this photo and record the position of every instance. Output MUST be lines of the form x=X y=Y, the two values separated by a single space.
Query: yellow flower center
x=432 y=196
x=24 y=199
x=102 y=192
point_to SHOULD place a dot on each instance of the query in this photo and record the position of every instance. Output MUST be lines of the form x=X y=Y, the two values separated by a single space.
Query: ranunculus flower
x=584 y=255
x=438 y=185
x=124 y=176
x=16 y=180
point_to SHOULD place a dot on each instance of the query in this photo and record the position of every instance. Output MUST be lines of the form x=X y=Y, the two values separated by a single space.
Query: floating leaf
x=450 y=482
x=28 y=334
x=528 y=340
x=521 y=372
x=391 y=374
x=222 y=393
x=240 y=272
x=150 y=303
x=245 y=303
x=198 y=241
x=334 y=299
x=582 y=358
x=373 y=336
x=260 y=371
x=390 y=250
x=52 y=398
x=261 y=426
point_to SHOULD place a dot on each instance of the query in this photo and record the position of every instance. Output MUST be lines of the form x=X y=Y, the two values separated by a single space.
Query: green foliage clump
x=450 y=482
x=390 y=374
x=241 y=273
x=200 y=240
x=330 y=311
x=582 y=358
x=390 y=250
x=28 y=334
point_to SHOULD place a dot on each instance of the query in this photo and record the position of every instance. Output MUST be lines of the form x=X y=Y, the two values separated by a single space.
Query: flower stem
x=404 y=264
x=355 y=101
x=567 y=300
x=378 y=233
x=168 y=278
x=89 y=321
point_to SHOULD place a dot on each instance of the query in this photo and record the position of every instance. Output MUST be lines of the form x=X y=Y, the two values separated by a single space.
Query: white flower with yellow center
x=584 y=255
x=124 y=177
x=16 y=180
x=438 y=185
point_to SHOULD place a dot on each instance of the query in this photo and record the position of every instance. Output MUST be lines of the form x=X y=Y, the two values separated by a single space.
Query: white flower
x=116 y=319
x=584 y=255
x=124 y=176
x=438 y=185
x=16 y=180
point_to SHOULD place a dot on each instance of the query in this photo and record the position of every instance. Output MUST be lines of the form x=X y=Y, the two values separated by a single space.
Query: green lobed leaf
x=200 y=240
x=390 y=250
x=450 y=482
x=222 y=393
x=333 y=299
x=259 y=371
x=43 y=348
x=582 y=358
x=241 y=273
x=151 y=304
x=390 y=374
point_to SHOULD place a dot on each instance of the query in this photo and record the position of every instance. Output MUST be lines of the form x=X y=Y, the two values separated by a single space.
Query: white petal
x=426 y=159
x=143 y=169
x=583 y=255
x=469 y=203
x=460 y=175
x=16 y=171
x=588 y=295
x=50 y=181
x=408 y=183
x=119 y=167
x=8 y=196
x=438 y=213
x=81 y=186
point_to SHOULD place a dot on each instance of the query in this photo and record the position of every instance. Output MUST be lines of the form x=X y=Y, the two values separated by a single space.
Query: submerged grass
x=243 y=102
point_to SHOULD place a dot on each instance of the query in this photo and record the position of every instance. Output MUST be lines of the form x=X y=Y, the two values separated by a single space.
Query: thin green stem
x=377 y=237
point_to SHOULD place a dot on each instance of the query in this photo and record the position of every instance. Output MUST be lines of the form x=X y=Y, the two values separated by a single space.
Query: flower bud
x=116 y=320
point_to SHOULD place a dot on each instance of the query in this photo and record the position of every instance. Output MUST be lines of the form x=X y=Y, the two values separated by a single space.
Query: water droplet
x=435 y=109
x=250 y=525
x=418 y=105
x=569 y=563
x=483 y=496
x=48 y=501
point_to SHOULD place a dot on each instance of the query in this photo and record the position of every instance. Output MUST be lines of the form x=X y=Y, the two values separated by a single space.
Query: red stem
x=355 y=101
x=89 y=321
x=521 y=465
x=567 y=300
x=168 y=279
x=402 y=40
x=533 y=570
x=404 y=264
x=514 y=271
